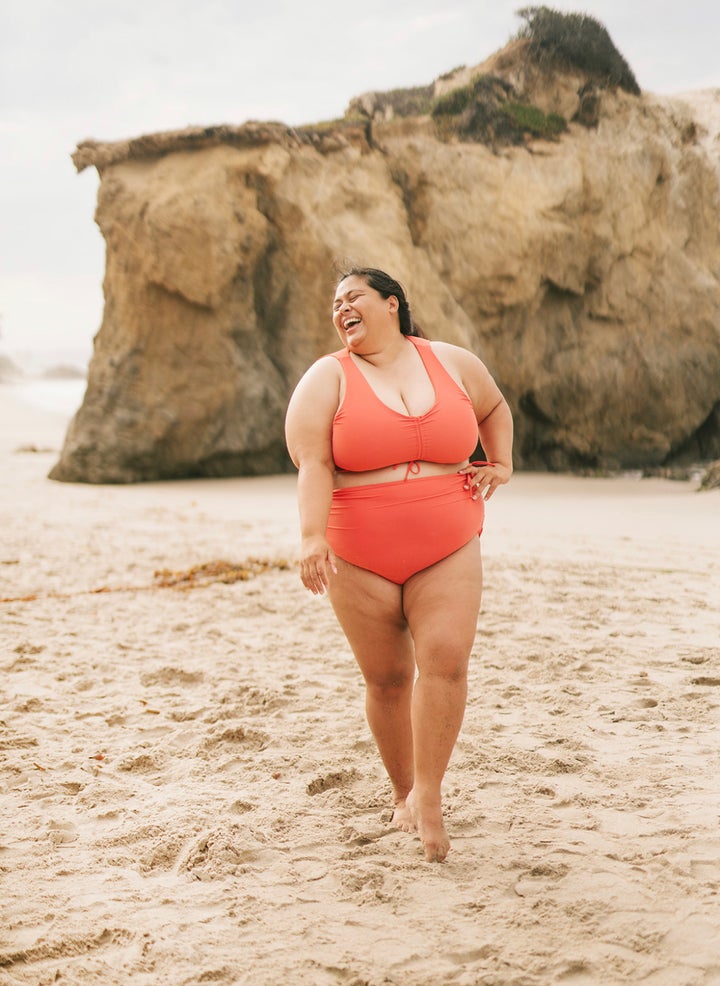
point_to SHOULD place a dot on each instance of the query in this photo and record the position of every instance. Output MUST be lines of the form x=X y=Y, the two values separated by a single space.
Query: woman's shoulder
x=328 y=361
x=448 y=352
x=323 y=371
x=318 y=390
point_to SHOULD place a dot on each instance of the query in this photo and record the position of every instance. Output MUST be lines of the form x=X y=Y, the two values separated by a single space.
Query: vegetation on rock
x=534 y=121
x=491 y=110
x=576 y=40
x=412 y=101
x=488 y=111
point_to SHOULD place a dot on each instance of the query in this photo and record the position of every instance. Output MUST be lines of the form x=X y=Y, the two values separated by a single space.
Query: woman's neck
x=390 y=350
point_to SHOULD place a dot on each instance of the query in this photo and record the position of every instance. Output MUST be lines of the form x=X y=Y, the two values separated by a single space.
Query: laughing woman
x=391 y=510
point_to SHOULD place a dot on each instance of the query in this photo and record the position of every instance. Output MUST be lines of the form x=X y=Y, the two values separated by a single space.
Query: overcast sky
x=73 y=69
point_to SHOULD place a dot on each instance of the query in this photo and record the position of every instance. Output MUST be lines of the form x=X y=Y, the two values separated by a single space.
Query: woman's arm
x=495 y=423
x=308 y=432
x=496 y=438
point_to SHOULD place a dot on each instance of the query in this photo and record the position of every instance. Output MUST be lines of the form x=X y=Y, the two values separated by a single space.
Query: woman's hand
x=483 y=478
x=317 y=560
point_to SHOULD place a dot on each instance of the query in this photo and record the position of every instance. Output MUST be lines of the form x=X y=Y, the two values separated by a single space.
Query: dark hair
x=386 y=286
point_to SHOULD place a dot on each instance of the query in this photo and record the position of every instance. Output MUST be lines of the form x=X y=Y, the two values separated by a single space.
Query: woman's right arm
x=308 y=432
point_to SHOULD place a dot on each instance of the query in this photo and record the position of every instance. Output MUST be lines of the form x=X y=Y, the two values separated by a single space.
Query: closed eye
x=353 y=296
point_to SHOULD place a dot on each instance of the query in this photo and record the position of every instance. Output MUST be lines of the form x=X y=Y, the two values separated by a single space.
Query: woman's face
x=359 y=309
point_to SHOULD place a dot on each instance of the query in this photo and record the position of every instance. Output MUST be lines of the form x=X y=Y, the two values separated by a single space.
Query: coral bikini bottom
x=398 y=529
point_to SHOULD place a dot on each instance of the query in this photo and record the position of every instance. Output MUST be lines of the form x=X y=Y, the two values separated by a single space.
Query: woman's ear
x=393 y=303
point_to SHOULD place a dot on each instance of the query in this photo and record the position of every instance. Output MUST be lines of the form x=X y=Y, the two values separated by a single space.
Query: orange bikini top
x=368 y=434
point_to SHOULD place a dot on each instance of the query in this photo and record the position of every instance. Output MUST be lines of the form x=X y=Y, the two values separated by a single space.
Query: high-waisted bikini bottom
x=398 y=529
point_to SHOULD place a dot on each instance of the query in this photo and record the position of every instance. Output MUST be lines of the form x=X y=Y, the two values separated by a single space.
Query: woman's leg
x=441 y=605
x=369 y=609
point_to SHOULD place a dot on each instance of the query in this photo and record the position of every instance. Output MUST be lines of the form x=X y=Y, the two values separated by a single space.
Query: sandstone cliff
x=584 y=270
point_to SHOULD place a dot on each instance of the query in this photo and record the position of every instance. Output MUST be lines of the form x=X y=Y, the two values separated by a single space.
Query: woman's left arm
x=496 y=438
x=495 y=424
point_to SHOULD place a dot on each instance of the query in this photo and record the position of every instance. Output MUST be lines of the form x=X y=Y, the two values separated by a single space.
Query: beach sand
x=190 y=793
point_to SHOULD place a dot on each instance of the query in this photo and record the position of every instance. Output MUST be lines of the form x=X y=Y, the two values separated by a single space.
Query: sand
x=190 y=793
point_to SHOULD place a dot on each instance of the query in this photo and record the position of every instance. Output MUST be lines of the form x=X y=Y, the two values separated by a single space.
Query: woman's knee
x=388 y=681
x=443 y=658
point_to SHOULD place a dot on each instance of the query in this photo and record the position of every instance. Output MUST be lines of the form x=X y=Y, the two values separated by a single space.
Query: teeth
x=350 y=322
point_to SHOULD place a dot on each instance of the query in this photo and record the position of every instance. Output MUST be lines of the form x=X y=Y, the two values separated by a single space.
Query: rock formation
x=584 y=270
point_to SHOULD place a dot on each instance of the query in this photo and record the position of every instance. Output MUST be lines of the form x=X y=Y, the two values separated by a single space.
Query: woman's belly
x=398 y=473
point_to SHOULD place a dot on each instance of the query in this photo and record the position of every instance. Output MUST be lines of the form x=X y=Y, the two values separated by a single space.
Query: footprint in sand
x=218 y=852
x=646 y=703
x=143 y=763
x=62 y=833
x=339 y=778
x=535 y=881
x=171 y=676
x=234 y=738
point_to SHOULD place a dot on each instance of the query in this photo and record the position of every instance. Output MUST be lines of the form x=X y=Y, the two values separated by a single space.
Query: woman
x=390 y=512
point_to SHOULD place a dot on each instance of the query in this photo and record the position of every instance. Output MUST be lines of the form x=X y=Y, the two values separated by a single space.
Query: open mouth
x=350 y=323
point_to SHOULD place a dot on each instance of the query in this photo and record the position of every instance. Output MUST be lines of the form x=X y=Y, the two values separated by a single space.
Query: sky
x=81 y=69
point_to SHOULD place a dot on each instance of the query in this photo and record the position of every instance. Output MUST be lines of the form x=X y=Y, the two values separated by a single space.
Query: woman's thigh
x=369 y=609
x=441 y=605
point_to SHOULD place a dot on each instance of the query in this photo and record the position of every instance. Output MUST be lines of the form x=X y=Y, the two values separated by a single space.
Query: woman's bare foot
x=402 y=817
x=428 y=820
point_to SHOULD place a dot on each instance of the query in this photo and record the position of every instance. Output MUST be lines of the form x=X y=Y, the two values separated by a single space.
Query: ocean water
x=59 y=396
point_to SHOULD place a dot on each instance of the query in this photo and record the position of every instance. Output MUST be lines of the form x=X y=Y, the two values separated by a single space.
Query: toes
x=402 y=818
x=436 y=853
x=404 y=823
